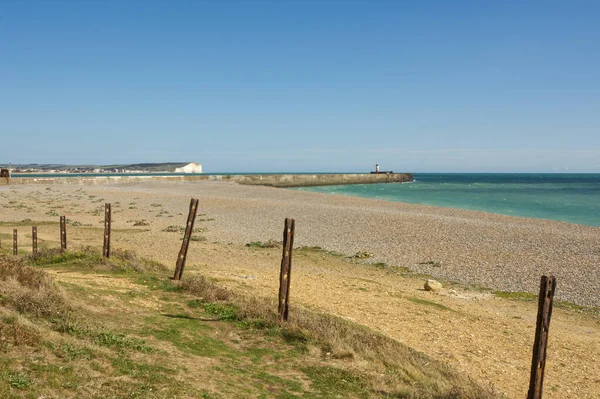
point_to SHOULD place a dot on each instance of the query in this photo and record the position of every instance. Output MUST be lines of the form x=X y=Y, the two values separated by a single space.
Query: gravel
x=494 y=251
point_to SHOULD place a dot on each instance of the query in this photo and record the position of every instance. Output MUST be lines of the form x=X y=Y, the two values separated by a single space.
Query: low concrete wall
x=273 y=180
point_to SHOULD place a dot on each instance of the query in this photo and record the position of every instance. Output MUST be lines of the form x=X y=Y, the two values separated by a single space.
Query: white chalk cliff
x=190 y=168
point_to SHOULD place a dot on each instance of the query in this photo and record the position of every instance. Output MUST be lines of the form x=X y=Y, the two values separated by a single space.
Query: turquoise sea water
x=571 y=198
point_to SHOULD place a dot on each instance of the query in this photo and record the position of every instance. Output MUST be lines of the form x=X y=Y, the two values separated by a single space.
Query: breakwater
x=272 y=180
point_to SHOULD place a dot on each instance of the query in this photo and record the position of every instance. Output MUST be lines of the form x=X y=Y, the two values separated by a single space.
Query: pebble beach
x=486 y=250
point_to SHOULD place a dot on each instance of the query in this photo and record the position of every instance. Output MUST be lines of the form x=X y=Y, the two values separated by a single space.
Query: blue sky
x=419 y=86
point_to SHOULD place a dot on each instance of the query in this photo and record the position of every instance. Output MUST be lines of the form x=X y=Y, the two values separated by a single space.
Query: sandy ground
x=484 y=336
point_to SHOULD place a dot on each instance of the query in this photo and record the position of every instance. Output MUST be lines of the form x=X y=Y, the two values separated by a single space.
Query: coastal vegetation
x=75 y=322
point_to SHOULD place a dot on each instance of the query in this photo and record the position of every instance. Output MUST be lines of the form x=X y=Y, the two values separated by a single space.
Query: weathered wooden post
x=34 y=240
x=63 y=233
x=5 y=175
x=538 y=362
x=107 y=221
x=186 y=239
x=286 y=269
x=15 y=252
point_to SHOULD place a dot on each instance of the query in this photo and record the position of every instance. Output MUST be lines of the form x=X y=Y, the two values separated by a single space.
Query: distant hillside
x=148 y=167
x=142 y=167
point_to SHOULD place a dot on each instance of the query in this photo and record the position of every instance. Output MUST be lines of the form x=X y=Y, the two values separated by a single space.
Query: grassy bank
x=73 y=324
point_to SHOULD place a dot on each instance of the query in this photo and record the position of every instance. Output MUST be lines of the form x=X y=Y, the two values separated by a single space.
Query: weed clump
x=142 y=222
x=174 y=229
x=267 y=244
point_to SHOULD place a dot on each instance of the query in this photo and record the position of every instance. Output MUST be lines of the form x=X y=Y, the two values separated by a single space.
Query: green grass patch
x=518 y=295
x=332 y=382
x=188 y=335
x=18 y=380
x=225 y=312
x=122 y=342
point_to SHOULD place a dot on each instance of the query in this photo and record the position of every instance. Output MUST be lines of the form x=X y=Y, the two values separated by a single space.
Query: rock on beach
x=433 y=285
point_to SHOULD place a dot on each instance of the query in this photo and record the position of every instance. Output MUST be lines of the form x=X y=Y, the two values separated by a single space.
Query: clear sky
x=241 y=86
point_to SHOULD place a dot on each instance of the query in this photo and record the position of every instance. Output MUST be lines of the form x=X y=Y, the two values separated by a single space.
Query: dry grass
x=126 y=260
x=391 y=368
x=90 y=258
x=28 y=294
x=16 y=330
x=31 y=291
x=204 y=289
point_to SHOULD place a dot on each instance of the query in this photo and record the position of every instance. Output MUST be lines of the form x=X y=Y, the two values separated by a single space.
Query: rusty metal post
x=286 y=269
x=63 y=233
x=538 y=362
x=34 y=240
x=107 y=222
x=15 y=252
x=189 y=227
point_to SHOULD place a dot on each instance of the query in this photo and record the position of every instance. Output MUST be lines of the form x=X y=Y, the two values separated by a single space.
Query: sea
x=573 y=198
x=565 y=197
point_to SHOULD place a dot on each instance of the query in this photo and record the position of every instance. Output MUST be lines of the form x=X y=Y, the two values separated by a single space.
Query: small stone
x=432 y=285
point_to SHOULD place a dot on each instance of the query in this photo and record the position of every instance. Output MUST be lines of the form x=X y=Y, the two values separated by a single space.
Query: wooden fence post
x=189 y=227
x=286 y=269
x=538 y=362
x=34 y=240
x=15 y=252
x=63 y=233
x=107 y=222
x=5 y=174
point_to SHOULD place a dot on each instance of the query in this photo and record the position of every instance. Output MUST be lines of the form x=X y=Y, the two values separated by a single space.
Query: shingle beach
x=498 y=252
